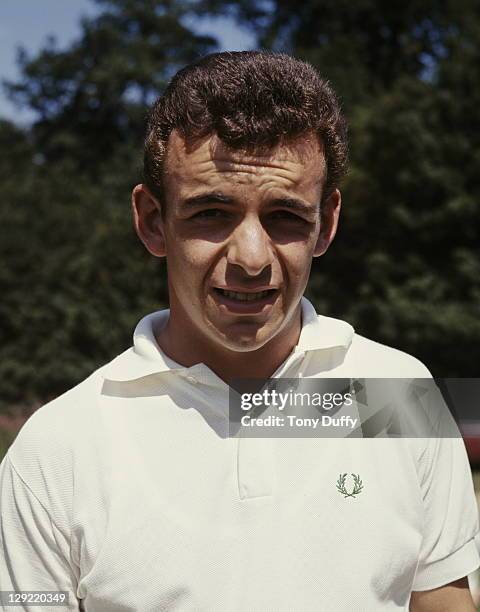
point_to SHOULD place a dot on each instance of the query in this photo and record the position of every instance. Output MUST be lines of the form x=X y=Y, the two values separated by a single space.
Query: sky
x=29 y=22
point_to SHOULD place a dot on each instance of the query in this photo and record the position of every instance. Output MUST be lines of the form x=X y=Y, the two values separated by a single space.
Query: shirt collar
x=320 y=332
x=146 y=357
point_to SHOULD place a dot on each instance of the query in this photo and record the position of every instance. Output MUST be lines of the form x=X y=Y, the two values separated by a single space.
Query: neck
x=188 y=350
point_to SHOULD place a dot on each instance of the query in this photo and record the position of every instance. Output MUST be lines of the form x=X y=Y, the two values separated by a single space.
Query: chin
x=244 y=342
x=246 y=346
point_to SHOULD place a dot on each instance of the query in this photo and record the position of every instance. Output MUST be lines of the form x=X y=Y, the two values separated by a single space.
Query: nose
x=250 y=246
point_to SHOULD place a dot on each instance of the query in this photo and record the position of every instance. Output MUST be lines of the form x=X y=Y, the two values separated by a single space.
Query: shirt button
x=192 y=379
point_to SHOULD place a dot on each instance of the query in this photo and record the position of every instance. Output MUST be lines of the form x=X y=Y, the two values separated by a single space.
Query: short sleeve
x=34 y=553
x=448 y=550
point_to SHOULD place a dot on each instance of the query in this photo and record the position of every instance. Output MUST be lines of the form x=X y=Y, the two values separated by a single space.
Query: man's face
x=239 y=232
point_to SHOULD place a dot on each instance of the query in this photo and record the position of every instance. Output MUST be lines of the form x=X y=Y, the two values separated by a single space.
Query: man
x=127 y=491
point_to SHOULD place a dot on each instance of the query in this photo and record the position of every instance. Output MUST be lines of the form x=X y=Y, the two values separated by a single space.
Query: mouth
x=245 y=302
x=246 y=296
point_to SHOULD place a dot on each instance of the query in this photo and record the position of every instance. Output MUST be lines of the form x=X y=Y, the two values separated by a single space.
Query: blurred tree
x=405 y=266
x=91 y=99
x=77 y=278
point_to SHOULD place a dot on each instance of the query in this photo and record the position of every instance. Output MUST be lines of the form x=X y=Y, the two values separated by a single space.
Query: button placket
x=255 y=467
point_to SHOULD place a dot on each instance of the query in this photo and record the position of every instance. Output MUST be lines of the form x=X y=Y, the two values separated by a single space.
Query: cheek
x=297 y=259
x=191 y=256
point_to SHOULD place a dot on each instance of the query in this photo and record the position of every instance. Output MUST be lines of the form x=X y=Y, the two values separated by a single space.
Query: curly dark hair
x=250 y=99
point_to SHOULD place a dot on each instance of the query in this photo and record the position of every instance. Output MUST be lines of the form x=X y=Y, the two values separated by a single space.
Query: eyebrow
x=206 y=198
x=296 y=205
x=293 y=204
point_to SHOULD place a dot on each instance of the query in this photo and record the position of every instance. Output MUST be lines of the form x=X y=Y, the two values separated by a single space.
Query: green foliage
x=405 y=265
x=5 y=440
x=92 y=97
x=406 y=261
x=77 y=278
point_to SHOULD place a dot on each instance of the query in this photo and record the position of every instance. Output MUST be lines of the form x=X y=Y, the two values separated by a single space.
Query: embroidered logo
x=357 y=485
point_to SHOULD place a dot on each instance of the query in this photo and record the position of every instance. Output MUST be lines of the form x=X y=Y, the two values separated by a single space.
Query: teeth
x=246 y=297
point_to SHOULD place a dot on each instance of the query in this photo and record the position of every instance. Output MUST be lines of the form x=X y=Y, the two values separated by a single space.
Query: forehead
x=299 y=163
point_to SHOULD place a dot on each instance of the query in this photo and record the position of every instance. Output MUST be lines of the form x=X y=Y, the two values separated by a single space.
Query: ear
x=148 y=222
x=329 y=215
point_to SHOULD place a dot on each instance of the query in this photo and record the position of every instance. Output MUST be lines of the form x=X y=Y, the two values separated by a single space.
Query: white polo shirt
x=126 y=492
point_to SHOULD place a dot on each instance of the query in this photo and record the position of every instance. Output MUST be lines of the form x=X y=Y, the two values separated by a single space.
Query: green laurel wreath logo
x=357 y=485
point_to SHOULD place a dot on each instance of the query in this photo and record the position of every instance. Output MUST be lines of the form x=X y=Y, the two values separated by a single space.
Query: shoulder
x=56 y=420
x=45 y=450
x=368 y=358
x=335 y=347
x=387 y=360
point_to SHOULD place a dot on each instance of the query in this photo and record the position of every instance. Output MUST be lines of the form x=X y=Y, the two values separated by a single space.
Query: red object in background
x=471 y=435
x=11 y=423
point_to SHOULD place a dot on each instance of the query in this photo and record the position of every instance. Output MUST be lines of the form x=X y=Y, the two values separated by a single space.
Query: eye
x=210 y=213
x=285 y=215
